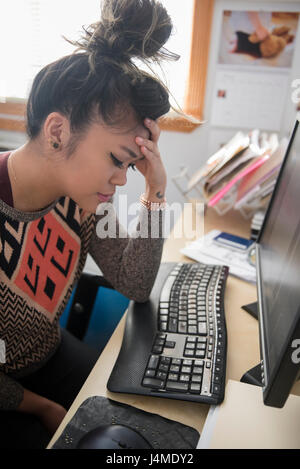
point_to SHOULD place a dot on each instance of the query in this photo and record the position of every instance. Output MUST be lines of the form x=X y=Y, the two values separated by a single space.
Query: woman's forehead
x=128 y=129
x=135 y=129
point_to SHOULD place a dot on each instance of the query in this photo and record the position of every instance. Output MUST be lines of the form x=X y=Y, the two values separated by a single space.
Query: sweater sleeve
x=11 y=393
x=129 y=262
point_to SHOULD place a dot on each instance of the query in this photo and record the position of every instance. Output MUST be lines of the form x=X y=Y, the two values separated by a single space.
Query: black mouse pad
x=160 y=432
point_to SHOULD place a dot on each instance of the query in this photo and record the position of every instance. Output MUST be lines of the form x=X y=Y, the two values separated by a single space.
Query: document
x=205 y=250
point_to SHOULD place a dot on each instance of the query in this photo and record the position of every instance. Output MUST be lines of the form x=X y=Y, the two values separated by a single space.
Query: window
x=32 y=30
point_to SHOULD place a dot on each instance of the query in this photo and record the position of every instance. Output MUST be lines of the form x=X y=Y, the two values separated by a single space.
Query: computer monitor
x=278 y=281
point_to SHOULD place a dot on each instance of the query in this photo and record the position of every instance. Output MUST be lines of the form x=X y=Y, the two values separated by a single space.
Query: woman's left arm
x=129 y=263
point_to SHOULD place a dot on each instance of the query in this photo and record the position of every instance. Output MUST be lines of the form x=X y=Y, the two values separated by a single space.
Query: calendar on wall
x=249 y=100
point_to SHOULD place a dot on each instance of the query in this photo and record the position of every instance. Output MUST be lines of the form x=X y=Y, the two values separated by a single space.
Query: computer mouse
x=113 y=437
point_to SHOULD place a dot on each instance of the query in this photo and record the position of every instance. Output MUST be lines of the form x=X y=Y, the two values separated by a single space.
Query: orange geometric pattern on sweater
x=48 y=259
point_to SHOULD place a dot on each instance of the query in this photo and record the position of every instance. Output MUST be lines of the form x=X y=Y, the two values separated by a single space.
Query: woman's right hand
x=52 y=415
x=49 y=412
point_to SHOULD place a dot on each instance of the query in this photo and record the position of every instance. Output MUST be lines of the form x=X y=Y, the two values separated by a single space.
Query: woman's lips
x=103 y=197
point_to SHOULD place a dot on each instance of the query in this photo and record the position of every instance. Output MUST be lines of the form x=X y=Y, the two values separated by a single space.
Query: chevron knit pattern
x=40 y=262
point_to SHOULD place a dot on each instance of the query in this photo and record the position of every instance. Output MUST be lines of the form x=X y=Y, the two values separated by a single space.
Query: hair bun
x=128 y=29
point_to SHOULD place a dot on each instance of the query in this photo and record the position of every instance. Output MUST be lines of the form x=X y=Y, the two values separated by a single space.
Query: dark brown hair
x=101 y=79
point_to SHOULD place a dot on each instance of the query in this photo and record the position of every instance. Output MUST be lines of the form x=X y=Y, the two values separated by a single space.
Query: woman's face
x=99 y=164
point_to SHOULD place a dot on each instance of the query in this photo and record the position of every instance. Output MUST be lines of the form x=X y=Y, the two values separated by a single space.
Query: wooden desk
x=242 y=330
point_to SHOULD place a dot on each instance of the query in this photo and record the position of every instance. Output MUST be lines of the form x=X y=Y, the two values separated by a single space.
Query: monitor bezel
x=277 y=385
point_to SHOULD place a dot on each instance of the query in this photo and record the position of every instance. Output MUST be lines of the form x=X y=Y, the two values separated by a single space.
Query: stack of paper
x=242 y=174
x=257 y=186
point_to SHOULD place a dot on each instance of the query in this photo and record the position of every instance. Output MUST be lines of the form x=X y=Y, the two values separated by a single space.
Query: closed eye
x=120 y=164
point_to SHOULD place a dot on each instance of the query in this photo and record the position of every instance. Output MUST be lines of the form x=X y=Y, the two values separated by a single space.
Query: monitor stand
x=252 y=308
x=252 y=376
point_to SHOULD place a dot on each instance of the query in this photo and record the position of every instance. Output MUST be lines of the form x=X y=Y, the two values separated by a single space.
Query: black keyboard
x=175 y=344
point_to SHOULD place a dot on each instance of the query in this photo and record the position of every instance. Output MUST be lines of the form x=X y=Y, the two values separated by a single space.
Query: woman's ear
x=57 y=130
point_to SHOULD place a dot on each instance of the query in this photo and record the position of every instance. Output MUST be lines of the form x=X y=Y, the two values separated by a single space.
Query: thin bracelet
x=152 y=205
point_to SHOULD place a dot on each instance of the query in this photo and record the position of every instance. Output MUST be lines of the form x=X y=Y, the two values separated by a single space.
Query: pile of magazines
x=242 y=174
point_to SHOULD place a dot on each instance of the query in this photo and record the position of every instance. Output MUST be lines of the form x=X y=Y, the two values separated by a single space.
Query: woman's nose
x=119 y=178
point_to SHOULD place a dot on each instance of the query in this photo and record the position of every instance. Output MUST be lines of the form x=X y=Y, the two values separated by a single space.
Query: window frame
x=13 y=110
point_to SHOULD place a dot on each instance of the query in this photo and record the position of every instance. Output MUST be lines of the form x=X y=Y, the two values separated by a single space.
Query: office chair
x=82 y=303
x=92 y=312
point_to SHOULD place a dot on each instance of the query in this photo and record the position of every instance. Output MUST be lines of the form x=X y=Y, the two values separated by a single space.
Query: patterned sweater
x=42 y=255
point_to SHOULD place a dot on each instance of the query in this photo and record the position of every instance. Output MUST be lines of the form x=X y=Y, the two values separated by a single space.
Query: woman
x=90 y=116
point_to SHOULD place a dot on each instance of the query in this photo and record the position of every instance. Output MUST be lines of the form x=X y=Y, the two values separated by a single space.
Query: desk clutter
x=159 y=432
x=207 y=251
x=241 y=175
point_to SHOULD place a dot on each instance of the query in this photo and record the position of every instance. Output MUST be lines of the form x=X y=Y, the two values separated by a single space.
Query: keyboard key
x=170 y=344
x=187 y=362
x=182 y=317
x=201 y=346
x=188 y=353
x=195 y=388
x=196 y=378
x=198 y=370
x=190 y=345
x=184 y=378
x=163 y=318
x=199 y=363
x=153 y=383
x=173 y=377
x=202 y=328
x=193 y=322
x=160 y=341
x=157 y=349
x=186 y=369
x=153 y=362
x=165 y=360
x=165 y=294
x=172 y=325
x=174 y=368
x=176 y=361
x=164 y=368
x=203 y=340
x=173 y=314
x=160 y=335
x=176 y=386
x=161 y=375
x=182 y=327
